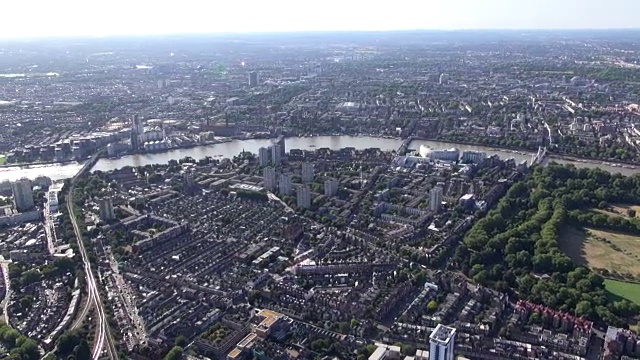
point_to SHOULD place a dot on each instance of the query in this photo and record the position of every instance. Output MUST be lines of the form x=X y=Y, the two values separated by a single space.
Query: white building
x=452 y=154
x=285 y=184
x=435 y=198
x=303 y=197
x=22 y=195
x=307 y=172
x=276 y=154
x=269 y=177
x=442 y=343
x=444 y=78
x=153 y=134
x=155 y=145
x=52 y=201
x=383 y=352
x=264 y=156
x=331 y=187
x=474 y=156
x=253 y=79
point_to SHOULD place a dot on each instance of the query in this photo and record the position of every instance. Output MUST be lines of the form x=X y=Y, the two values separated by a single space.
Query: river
x=232 y=148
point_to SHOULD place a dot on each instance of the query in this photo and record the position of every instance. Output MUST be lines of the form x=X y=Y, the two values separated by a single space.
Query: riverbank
x=35 y=164
x=557 y=156
x=622 y=164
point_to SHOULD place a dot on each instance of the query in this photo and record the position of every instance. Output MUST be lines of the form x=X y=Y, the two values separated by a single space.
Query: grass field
x=619 y=210
x=619 y=253
x=3 y=160
x=629 y=291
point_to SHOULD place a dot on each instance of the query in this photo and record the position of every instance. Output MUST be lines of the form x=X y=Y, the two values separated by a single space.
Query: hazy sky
x=36 y=18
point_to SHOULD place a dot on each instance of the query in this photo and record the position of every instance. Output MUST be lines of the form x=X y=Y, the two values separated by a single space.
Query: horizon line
x=318 y=32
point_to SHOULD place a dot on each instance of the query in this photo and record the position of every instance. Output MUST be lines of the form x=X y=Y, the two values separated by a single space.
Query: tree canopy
x=519 y=239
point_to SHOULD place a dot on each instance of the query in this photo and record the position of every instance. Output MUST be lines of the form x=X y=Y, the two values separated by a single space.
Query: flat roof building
x=442 y=343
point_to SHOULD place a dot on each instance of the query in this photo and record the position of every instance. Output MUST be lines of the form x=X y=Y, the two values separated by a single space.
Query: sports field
x=629 y=291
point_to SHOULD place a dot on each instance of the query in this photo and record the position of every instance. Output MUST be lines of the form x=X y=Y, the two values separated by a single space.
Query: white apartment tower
x=269 y=177
x=307 y=172
x=276 y=154
x=444 y=78
x=331 y=187
x=264 y=156
x=22 y=194
x=303 y=197
x=435 y=198
x=285 y=184
x=442 y=343
x=253 y=79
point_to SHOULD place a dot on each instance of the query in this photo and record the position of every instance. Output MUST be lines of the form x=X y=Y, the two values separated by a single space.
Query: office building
x=269 y=177
x=22 y=195
x=307 y=172
x=284 y=186
x=264 y=156
x=106 y=209
x=253 y=78
x=331 y=187
x=303 y=197
x=276 y=154
x=442 y=343
x=435 y=198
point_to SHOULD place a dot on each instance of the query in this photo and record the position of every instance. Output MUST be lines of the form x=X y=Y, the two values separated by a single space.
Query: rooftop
x=442 y=334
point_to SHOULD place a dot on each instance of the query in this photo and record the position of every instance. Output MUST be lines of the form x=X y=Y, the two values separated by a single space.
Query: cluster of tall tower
x=273 y=154
x=284 y=183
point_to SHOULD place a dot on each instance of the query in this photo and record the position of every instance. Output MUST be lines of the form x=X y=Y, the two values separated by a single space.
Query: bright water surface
x=232 y=148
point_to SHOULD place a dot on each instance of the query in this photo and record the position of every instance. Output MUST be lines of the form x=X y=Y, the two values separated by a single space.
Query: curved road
x=7 y=283
x=92 y=288
x=94 y=294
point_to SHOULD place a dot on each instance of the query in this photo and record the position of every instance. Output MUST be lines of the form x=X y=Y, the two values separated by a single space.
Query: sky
x=44 y=18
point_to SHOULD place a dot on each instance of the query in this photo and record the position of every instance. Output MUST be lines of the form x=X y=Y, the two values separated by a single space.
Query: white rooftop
x=442 y=334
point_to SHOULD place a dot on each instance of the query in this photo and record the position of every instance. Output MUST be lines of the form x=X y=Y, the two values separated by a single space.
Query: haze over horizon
x=42 y=18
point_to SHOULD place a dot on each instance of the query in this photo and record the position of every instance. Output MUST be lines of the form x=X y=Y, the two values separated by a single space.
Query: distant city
x=390 y=195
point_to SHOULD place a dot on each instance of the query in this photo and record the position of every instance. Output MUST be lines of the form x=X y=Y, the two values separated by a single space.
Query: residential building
x=188 y=181
x=435 y=198
x=22 y=195
x=106 y=209
x=281 y=142
x=307 y=172
x=331 y=187
x=452 y=154
x=473 y=156
x=253 y=78
x=276 y=154
x=444 y=78
x=264 y=156
x=303 y=197
x=442 y=343
x=285 y=184
x=269 y=177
